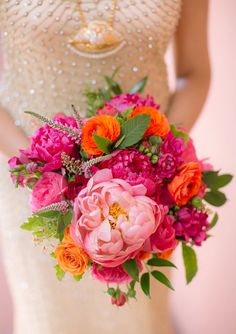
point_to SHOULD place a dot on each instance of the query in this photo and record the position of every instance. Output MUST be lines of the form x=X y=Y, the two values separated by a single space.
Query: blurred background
x=208 y=304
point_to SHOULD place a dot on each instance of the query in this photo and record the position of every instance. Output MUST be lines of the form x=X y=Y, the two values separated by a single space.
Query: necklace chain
x=110 y=19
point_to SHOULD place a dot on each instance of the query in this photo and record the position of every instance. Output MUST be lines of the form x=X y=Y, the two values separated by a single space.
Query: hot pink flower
x=49 y=189
x=134 y=167
x=121 y=103
x=113 y=219
x=115 y=275
x=163 y=239
x=191 y=225
x=47 y=144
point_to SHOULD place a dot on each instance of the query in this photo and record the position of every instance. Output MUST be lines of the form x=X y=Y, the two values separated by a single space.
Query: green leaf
x=179 y=134
x=78 y=277
x=214 y=221
x=155 y=140
x=113 y=85
x=68 y=218
x=132 y=284
x=133 y=130
x=215 y=197
x=139 y=86
x=145 y=283
x=102 y=143
x=190 y=262
x=59 y=272
x=131 y=267
x=159 y=276
x=215 y=181
x=60 y=228
x=48 y=214
x=127 y=113
x=156 y=262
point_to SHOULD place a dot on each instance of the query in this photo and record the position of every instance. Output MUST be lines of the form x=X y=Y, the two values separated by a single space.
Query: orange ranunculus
x=104 y=126
x=186 y=184
x=72 y=258
x=159 y=125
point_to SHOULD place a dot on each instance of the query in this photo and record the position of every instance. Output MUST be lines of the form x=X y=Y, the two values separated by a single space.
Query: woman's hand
x=192 y=64
x=12 y=138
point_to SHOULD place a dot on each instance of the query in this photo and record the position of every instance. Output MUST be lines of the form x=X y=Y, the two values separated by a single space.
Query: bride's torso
x=42 y=74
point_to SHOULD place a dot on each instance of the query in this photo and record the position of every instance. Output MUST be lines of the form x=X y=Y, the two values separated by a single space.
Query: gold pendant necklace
x=97 y=38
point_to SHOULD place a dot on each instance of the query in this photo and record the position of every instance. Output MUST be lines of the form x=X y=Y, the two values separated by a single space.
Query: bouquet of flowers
x=116 y=192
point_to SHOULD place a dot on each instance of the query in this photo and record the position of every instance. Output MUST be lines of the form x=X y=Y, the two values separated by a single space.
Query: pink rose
x=163 y=239
x=49 y=189
x=113 y=219
x=47 y=144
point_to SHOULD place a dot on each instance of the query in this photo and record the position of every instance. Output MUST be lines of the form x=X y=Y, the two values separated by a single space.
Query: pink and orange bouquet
x=115 y=193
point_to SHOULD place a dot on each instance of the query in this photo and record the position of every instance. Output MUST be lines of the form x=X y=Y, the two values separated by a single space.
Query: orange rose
x=159 y=125
x=186 y=184
x=67 y=238
x=104 y=126
x=72 y=258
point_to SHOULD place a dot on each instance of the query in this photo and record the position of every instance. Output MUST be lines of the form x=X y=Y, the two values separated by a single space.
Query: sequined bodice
x=42 y=74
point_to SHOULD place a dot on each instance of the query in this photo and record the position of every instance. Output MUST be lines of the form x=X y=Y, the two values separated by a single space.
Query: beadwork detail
x=45 y=76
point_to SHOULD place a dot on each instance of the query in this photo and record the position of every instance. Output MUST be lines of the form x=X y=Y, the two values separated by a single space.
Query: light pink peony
x=47 y=144
x=49 y=189
x=113 y=219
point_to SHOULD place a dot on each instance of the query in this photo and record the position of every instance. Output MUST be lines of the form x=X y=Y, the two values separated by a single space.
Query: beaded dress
x=41 y=74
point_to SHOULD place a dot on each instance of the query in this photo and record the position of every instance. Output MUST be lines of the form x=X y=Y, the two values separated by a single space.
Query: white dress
x=43 y=75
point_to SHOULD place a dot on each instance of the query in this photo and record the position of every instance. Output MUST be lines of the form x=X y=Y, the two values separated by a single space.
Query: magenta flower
x=122 y=102
x=191 y=225
x=134 y=167
x=173 y=146
x=167 y=166
x=164 y=237
x=115 y=275
x=170 y=156
x=48 y=190
x=74 y=187
x=47 y=144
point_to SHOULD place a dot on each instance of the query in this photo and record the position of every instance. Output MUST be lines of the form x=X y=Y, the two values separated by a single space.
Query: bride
x=46 y=68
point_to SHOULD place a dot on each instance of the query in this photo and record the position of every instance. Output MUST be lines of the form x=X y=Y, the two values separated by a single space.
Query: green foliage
x=133 y=130
x=102 y=143
x=215 y=197
x=131 y=267
x=214 y=221
x=96 y=100
x=41 y=227
x=63 y=221
x=179 y=134
x=131 y=293
x=190 y=262
x=159 y=276
x=78 y=277
x=111 y=292
x=48 y=225
x=114 y=87
x=156 y=262
x=145 y=283
x=59 y=272
x=155 y=140
x=139 y=86
x=214 y=181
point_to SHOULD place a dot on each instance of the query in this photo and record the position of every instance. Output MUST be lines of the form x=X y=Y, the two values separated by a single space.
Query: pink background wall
x=208 y=305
